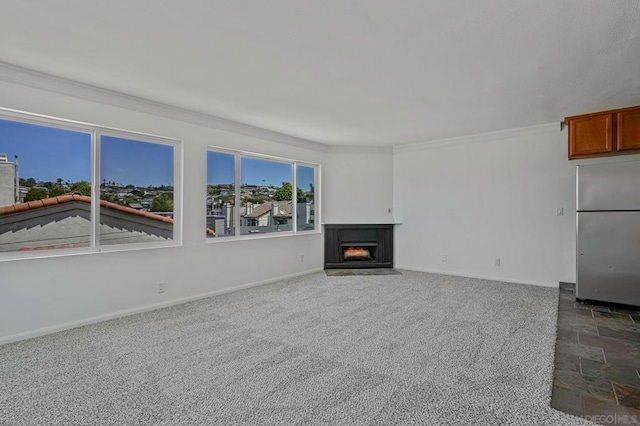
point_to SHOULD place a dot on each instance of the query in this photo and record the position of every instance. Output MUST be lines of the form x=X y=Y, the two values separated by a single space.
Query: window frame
x=238 y=155
x=95 y=131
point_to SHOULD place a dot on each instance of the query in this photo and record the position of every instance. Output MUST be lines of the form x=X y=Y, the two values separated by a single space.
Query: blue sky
x=47 y=154
x=128 y=161
x=220 y=170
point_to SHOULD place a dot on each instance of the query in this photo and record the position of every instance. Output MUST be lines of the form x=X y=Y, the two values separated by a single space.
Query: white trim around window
x=95 y=132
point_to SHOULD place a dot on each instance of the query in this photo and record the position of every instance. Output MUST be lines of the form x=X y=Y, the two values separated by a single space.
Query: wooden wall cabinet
x=604 y=133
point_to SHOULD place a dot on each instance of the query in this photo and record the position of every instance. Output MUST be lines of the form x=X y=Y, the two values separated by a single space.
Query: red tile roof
x=61 y=199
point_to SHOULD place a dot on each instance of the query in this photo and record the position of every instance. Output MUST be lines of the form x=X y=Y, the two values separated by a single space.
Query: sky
x=220 y=170
x=128 y=161
x=47 y=153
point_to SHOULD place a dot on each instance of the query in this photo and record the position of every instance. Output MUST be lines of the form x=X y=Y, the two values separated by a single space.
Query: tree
x=82 y=187
x=162 y=203
x=284 y=193
x=35 y=194
x=30 y=182
x=107 y=197
x=54 y=192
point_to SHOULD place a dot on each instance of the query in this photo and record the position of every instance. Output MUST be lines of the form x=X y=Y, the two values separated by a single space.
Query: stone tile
x=338 y=272
x=565 y=305
x=602 y=342
x=568 y=297
x=605 y=412
x=600 y=371
x=566 y=335
x=629 y=359
x=575 y=381
x=628 y=311
x=629 y=396
x=567 y=315
x=597 y=321
x=568 y=401
x=567 y=362
x=618 y=334
x=615 y=315
x=578 y=326
x=616 y=351
x=583 y=312
x=583 y=351
x=628 y=326
x=581 y=305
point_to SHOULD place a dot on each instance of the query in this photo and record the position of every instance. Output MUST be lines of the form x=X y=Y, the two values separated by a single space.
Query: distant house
x=136 y=206
x=8 y=179
x=267 y=214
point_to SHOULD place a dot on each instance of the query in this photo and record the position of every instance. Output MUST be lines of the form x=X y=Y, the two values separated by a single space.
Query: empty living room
x=305 y=213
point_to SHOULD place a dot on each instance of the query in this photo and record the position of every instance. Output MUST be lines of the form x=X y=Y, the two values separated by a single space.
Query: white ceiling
x=345 y=72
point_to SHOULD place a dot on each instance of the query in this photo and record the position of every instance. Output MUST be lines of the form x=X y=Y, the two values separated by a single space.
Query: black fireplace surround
x=358 y=246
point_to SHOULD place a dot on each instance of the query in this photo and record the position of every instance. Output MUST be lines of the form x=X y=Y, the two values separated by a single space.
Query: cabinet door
x=590 y=135
x=629 y=130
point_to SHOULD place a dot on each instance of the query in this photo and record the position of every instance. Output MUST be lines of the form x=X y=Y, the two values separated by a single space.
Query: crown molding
x=27 y=77
x=359 y=149
x=554 y=127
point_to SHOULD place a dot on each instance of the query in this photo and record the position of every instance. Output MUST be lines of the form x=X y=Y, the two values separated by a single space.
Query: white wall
x=478 y=198
x=39 y=295
x=358 y=185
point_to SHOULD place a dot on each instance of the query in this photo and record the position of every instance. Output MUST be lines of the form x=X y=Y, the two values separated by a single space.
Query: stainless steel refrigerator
x=608 y=222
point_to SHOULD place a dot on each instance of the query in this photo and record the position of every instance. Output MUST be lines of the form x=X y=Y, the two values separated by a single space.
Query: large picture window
x=265 y=197
x=74 y=187
x=136 y=177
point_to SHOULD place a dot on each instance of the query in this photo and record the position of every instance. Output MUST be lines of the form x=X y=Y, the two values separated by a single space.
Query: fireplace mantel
x=376 y=238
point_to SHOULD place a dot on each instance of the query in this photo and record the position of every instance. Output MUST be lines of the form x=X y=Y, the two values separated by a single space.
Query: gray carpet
x=402 y=349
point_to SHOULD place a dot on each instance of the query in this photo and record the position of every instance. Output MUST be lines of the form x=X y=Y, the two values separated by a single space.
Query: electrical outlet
x=302 y=258
x=444 y=258
x=559 y=211
x=389 y=210
x=161 y=287
x=497 y=262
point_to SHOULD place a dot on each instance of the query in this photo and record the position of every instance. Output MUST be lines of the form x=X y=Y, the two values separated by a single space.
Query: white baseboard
x=119 y=314
x=482 y=277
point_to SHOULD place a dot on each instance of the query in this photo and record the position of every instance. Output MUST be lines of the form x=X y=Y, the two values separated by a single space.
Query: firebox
x=358 y=246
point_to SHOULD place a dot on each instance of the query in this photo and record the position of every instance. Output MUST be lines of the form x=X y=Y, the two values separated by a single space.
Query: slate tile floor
x=597 y=361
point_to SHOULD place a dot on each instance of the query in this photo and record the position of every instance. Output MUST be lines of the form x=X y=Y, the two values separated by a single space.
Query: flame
x=356 y=252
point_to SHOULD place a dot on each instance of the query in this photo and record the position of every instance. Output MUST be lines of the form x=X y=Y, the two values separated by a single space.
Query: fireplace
x=358 y=246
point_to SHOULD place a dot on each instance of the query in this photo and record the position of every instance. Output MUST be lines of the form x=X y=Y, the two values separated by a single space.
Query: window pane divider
x=237 y=190
x=95 y=191
x=294 y=198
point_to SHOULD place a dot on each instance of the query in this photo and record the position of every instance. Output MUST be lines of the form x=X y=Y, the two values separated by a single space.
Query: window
x=221 y=198
x=265 y=195
x=41 y=168
x=136 y=176
x=53 y=172
x=306 y=212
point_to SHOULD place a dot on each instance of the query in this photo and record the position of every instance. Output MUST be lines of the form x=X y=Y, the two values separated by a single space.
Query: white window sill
x=215 y=240
x=43 y=254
